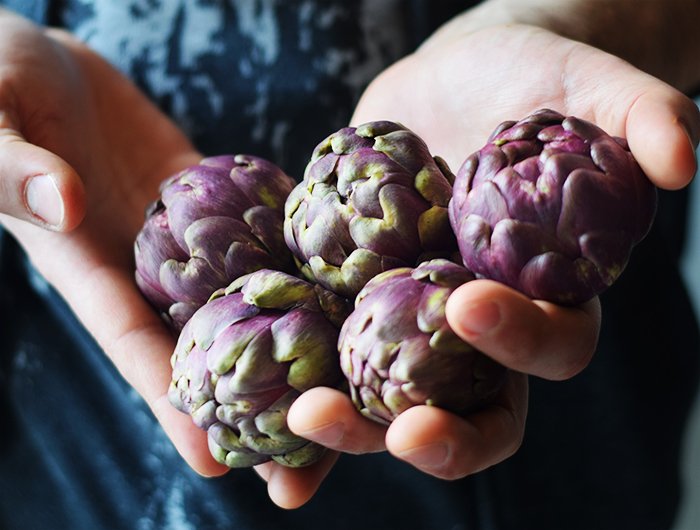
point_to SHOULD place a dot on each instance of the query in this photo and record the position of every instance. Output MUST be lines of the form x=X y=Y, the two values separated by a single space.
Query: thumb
x=663 y=129
x=37 y=185
x=661 y=124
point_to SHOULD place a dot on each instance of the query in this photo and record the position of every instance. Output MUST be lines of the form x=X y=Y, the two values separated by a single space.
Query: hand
x=453 y=93
x=67 y=114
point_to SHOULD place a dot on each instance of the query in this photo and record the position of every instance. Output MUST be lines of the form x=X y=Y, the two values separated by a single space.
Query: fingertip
x=318 y=415
x=315 y=409
x=290 y=488
x=329 y=417
x=39 y=186
x=449 y=446
x=426 y=438
x=469 y=318
x=280 y=493
x=210 y=468
x=415 y=426
x=663 y=131
x=529 y=336
x=55 y=200
x=475 y=309
x=189 y=440
x=72 y=192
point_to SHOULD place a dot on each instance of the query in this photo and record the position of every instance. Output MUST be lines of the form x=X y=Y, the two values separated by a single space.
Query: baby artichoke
x=372 y=199
x=397 y=349
x=246 y=355
x=551 y=206
x=213 y=223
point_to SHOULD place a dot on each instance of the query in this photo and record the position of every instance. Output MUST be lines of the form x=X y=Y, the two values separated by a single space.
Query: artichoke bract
x=373 y=198
x=551 y=206
x=397 y=349
x=213 y=223
x=246 y=355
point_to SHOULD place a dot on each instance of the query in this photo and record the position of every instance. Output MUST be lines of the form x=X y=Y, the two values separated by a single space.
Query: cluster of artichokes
x=341 y=279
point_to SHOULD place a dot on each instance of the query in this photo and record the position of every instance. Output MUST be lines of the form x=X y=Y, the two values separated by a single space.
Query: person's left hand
x=453 y=93
x=86 y=151
x=66 y=113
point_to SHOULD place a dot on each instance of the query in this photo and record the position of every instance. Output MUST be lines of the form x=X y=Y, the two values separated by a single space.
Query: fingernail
x=692 y=138
x=480 y=318
x=426 y=456
x=44 y=200
x=329 y=435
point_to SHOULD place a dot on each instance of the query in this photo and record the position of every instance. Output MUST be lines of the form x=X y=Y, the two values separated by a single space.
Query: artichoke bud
x=397 y=349
x=551 y=206
x=361 y=208
x=212 y=223
x=246 y=355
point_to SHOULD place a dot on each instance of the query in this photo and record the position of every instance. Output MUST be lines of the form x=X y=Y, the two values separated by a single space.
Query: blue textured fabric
x=270 y=78
x=36 y=10
x=80 y=450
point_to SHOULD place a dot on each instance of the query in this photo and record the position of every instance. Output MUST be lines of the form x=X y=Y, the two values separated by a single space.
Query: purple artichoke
x=213 y=223
x=397 y=349
x=372 y=199
x=246 y=355
x=551 y=206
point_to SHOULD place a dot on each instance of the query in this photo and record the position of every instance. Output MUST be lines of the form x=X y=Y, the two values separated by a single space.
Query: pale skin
x=64 y=112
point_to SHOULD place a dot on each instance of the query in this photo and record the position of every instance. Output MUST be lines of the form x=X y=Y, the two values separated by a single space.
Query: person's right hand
x=453 y=92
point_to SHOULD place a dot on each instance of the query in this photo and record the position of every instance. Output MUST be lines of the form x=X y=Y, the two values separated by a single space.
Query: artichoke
x=213 y=223
x=397 y=349
x=551 y=206
x=246 y=355
x=372 y=199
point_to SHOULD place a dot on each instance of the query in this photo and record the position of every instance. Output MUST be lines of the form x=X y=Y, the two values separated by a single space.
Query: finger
x=291 y=488
x=36 y=185
x=450 y=447
x=533 y=337
x=328 y=417
x=140 y=346
x=663 y=129
x=660 y=123
x=189 y=440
